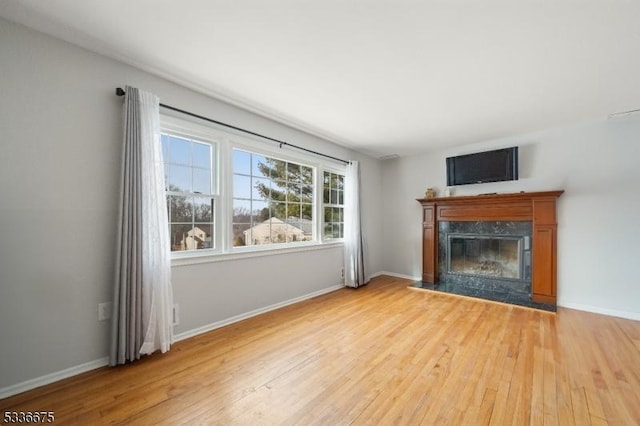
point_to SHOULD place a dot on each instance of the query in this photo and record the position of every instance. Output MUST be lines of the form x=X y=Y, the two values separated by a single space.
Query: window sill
x=198 y=258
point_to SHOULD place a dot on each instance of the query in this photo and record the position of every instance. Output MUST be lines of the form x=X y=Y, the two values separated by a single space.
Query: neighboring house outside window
x=195 y=239
x=333 y=205
x=275 y=230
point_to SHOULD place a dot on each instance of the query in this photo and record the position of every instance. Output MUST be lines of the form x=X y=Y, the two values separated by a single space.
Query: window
x=272 y=200
x=191 y=192
x=228 y=194
x=333 y=205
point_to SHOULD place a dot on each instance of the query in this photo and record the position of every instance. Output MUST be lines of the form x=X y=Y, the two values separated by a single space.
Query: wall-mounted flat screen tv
x=483 y=167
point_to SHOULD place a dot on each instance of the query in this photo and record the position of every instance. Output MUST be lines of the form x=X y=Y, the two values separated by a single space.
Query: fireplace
x=493 y=255
x=485 y=255
x=533 y=272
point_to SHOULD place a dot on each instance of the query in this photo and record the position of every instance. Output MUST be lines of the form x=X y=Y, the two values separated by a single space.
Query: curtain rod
x=120 y=92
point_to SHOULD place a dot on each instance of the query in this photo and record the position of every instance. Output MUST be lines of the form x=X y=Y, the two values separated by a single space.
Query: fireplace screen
x=485 y=255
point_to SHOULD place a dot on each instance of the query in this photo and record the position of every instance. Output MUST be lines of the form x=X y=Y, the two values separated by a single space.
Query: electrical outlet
x=104 y=311
x=176 y=314
x=342 y=273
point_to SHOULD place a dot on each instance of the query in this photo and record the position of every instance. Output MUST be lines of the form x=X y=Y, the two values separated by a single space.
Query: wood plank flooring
x=381 y=354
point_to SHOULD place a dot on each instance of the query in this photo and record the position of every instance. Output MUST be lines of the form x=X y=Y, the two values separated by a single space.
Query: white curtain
x=143 y=298
x=353 y=241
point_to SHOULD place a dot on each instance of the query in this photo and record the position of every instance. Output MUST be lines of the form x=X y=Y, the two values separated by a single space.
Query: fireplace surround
x=484 y=256
x=489 y=256
x=514 y=212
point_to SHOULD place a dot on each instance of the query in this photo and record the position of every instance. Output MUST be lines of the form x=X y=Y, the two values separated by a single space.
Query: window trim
x=197 y=257
x=224 y=141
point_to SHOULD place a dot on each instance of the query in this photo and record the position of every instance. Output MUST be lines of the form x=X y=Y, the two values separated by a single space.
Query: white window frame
x=223 y=141
x=187 y=130
x=336 y=171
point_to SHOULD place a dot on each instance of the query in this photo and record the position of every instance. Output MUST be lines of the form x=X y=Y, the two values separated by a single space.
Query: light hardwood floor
x=381 y=354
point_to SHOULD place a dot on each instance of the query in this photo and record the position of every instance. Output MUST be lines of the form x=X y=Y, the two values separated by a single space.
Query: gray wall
x=599 y=227
x=60 y=152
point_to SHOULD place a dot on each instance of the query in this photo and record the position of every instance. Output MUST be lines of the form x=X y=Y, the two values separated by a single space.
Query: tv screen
x=483 y=167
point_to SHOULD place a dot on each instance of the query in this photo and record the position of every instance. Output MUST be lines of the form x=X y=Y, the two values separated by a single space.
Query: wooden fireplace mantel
x=536 y=207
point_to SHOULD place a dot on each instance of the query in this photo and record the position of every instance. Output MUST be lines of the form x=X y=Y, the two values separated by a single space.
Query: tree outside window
x=272 y=200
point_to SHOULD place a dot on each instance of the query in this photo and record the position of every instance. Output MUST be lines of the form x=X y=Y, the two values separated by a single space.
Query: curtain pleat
x=353 y=238
x=143 y=300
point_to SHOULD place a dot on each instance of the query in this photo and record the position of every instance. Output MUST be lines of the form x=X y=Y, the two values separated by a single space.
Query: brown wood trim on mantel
x=536 y=207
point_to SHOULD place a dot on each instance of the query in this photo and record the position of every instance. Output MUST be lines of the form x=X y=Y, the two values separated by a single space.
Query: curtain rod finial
x=120 y=91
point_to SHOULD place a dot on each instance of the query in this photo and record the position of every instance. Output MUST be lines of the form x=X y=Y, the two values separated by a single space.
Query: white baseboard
x=393 y=274
x=227 y=321
x=377 y=274
x=604 y=311
x=53 y=377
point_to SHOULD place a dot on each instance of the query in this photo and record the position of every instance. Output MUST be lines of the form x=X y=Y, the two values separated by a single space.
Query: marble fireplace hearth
x=497 y=295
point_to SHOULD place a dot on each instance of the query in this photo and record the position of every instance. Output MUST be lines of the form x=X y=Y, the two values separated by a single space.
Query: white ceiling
x=380 y=76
